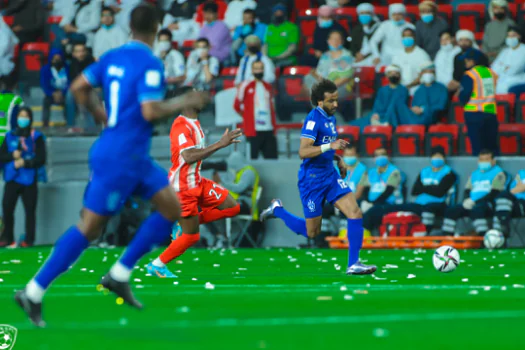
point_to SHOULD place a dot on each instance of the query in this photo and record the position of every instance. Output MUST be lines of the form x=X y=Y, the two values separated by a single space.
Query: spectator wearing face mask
x=282 y=38
x=201 y=67
x=234 y=16
x=389 y=35
x=253 y=53
x=384 y=110
x=465 y=40
x=179 y=20
x=496 y=30
x=249 y=27
x=429 y=27
x=81 y=59
x=217 y=33
x=54 y=82
x=7 y=49
x=174 y=66
x=510 y=63
x=356 y=171
x=444 y=60
x=362 y=34
x=410 y=60
x=109 y=36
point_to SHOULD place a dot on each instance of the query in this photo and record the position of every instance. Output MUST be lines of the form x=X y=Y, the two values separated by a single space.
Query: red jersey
x=185 y=134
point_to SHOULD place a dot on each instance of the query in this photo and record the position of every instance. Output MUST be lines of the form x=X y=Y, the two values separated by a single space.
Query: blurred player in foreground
x=187 y=153
x=319 y=180
x=133 y=84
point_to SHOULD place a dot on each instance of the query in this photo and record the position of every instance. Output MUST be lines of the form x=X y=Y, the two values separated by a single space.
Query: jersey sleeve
x=183 y=138
x=151 y=85
x=94 y=73
x=310 y=129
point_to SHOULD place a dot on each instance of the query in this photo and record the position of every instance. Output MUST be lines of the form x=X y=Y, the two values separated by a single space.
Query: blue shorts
x=315 y=189
x=111 y=185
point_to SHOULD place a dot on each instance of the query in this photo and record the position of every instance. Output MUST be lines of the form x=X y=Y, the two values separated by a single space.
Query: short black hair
x=437 y=150
x=166 y=32
x=144 y=19
x=210 y=7
x=486 y=151
x=410 y=30
x=320 y=88
x=108 y=9
x=514 y=29
x=353 y=145
x=203 y=40
x=249 y=12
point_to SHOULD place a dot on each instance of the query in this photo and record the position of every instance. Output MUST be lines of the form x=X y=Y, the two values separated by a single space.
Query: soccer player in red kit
x=188 y=150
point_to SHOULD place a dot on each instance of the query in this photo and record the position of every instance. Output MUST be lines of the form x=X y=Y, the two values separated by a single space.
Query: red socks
x=216 y=214
x=178 y=247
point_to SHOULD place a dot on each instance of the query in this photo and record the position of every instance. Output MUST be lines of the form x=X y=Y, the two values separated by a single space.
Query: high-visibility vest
x=254 y=189
x=483 y=98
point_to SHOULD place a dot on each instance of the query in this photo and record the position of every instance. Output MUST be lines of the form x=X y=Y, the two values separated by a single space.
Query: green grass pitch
x=278 y=299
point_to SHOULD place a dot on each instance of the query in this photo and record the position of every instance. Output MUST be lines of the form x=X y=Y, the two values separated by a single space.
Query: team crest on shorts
x=311 y=206
x=7 y=336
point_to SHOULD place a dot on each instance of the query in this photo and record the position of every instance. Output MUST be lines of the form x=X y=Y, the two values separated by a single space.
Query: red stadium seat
x=375 y=136
x=347 y=13
x=412 y=14
x=9 y=20
x=444 y=135
x=290 y=99
x=511 y=137
x=187 y=47
x=382 y=12
x=408 y=140
x=54 y=19
x=367 y=79
x=513 y=8
x=520 y=109
x=505 y=105
x=456 y=114
x=32 y=57
x=227 y=77
x=307 y=20
x=466 y=147
x=302 y=4
x=348 y=133
x=470 y=16
x=199 y=18
x=446 y=11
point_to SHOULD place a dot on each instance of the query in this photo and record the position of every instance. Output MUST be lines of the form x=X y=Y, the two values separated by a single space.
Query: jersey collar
x=320 y=110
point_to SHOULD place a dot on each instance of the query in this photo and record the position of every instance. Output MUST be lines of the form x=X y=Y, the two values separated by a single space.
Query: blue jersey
x=129 y=76
x=319 y=127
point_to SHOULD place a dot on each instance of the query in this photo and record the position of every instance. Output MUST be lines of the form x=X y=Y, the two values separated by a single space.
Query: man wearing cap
x=253 y=53
x=510 y=63
x=362 y=34
x=478 y=94
x=429 y=28
x=282 y=38
x=496 y=30
x=465 y=40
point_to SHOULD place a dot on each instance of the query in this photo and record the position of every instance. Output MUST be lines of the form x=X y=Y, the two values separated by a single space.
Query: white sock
x=120 y=272
x=34 y=292
x=158 y=263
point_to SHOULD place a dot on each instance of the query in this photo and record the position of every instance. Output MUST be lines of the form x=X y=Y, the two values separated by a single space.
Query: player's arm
x=308 y=150
x=192 y=155
x=86 y=96
x=341 y=165
x=156 y=110
x=517 y=186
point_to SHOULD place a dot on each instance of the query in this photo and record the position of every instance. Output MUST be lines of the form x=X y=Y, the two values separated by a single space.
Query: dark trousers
x=372 y=218
x=482 y=130
x=507 y=207
x=12 y=191
x=46 y=110
x=478 y=214
x=265 y=142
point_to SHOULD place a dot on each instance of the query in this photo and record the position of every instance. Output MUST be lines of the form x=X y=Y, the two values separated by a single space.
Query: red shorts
x=207 y=195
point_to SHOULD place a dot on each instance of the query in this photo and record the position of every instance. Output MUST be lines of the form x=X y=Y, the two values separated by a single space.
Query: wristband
x=325 y=148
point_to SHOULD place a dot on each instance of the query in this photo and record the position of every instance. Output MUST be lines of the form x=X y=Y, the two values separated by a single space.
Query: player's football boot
x=161 y=272
x=32 y=310
x=121 y=289
x=359 y=269
x=268 y=212
x=176 y=231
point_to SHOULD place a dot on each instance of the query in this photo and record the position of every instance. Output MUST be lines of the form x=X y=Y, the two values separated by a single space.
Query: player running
x=319 y=180
x=133 y=83
x=187 y=153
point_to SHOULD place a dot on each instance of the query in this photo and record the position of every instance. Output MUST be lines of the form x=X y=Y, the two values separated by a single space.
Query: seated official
x=356 y=171
x=483 y=186
x=510 y=204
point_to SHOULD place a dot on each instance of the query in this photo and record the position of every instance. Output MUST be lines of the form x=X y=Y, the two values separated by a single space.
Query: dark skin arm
x=340 y=165
x=308 y=150
x=193 y=155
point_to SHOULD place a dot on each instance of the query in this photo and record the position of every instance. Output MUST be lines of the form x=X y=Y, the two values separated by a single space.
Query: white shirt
x=174 y=65
x=390 y=35
x=262 y=113
x=108 y=39
x=87 y=19
x=195 y=75
x=444 y=63
x=235 y=10
x=510 y=68
x=188 y=28
x=244 y=72
x=61 y=7
x=123 y=17
x=410 y=64
x=8 y=41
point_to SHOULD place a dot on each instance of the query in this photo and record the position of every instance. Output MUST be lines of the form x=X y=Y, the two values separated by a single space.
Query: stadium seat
x=412 y=14
x=505 y=104
x=302 y=4
x=53 y=24
x=446 y=11
x=520 y=109
x=33 y=56
x=187 y=47
x=290 y=85
x=513 y=8
x=382 y=12
x=349 y=133
x=366 y=83
x=307 y=20
x=347 y=13
x=375 y=136
x=227 y=78
x=456 y=112
x=444 y=135
x=199 y=17
x=470 y=16
x=9 y=20
x=408 y=140
x=511 y=137
x=465 y=146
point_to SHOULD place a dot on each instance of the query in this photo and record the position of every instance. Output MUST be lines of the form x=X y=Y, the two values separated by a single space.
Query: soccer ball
x=493 y=239
x=445 y=259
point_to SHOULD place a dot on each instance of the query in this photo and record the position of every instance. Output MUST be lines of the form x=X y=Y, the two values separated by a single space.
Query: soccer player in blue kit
x=132 y=79
x=319 y=181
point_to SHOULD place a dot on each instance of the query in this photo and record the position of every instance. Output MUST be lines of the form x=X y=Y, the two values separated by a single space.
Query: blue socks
x=355 y=240
x=294 y=223
x=153 y=231
x=67 y=250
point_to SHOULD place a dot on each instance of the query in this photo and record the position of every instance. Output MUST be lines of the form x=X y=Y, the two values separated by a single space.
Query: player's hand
x=230 y=137
x=338 y=144
x=17 y=154
x=19 y=163
x=365 y=206
x=468 y=204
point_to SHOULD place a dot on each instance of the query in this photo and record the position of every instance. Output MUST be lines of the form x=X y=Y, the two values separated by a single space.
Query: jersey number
x=214 y=193
x=342 y=183
x=114 y=89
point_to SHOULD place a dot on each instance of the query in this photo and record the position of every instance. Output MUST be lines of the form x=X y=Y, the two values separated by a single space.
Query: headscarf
x=365 y=7
x=500 y=3
x=465 y=34
x=392 y=68
x=325 y=11
x=428 y=3
x=396 y=8
x=427 y=65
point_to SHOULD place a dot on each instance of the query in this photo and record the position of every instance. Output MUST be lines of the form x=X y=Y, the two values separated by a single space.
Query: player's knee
x=355 y=213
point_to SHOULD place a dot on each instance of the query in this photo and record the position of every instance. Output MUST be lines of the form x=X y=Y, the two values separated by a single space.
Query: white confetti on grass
x=337 y=267
x=380 y=333
x=324 y=298
x=196 y=259
x=486 y=288
x=1 y=280
x=139 y=286
x=216 y=265
x=343 y=289
x=194 y=279
x=501 y=265
x=348 y=297
x=411 y=276
x=179 y=262
x=507 y=276
x=183 y=309
x=83 y=269
x=473 y=292
x=518 y=286
x=137 y=280
x=390 y=266
x=123 y=321
x=503 y=288
x=297 y=266
x=248 y=259
x=464 y=280
x=209 y=286
x=383 y=271
x=175 y=283
x=104 y=259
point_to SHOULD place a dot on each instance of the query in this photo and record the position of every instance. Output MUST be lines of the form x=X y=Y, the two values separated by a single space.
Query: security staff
x=483 y=186
x=510 y=204
x=356 y=171
x=9 y=106
x=477 y=93
x=23 y=153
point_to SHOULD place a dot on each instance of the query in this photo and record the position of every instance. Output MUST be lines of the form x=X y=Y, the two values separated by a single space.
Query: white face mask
x=428 y=78
x=512 y=42
x=447 y=47
x=164 y=45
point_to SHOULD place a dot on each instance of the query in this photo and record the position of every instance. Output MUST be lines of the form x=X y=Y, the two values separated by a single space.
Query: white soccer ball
x=446 y=259
x=494 y=239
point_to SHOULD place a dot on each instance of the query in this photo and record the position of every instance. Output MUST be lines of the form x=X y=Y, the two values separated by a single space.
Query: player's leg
x=294 y=223
x=11 y=194
x=506 y=208
x=479 y=214
x=452 y=215
x=216 y=203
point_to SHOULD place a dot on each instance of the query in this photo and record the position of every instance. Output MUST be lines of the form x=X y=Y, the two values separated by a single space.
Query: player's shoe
x=121 y=289
x=176 y=231
x=161 y=272
x=32 y=310
x=359 y=269
x=268 y=212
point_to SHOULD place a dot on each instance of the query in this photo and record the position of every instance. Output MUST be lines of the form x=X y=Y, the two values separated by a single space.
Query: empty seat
x=366 y=81
x=511 y=137
x=187 y=47
x=520 y=109
x=382 y=12
x=290 y=99
x=408 y=140
x=446 y=11
x=464 y=140
x=347 y=13
x=227 y=77
x=456 y=112
x=33 y=56
x=505 y=105
x=9 y=20
x=375 y=136
x=307 y=20
x=470 y=16
x=444 y=135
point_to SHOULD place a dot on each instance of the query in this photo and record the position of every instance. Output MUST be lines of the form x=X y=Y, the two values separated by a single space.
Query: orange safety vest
x=483 y=98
